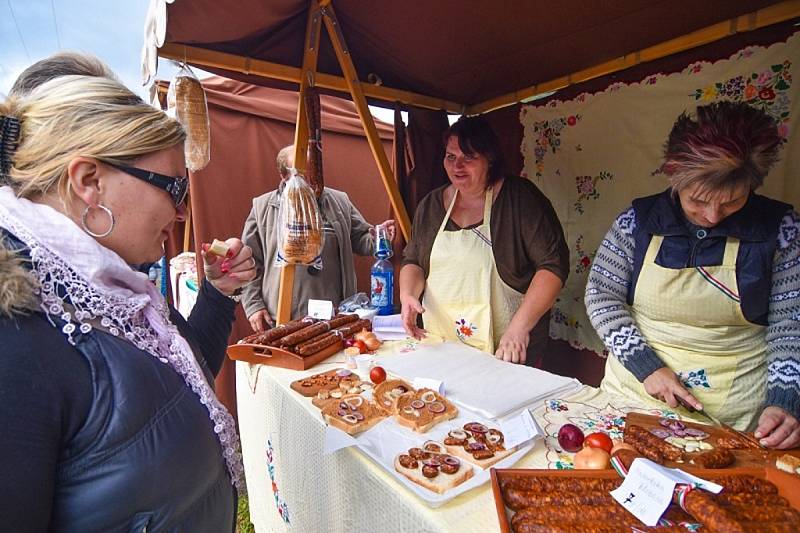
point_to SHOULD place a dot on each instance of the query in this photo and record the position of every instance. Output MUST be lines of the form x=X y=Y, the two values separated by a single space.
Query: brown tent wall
x=249 y=124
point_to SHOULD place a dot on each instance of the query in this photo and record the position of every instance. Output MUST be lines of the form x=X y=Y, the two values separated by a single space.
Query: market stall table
x=292 y=483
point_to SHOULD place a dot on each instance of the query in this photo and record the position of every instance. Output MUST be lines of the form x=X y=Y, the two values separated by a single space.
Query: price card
x=648 y=487
x=322 y=309
x=519 y=429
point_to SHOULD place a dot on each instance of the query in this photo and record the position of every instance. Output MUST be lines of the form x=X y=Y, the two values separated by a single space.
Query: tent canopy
x=464 y=52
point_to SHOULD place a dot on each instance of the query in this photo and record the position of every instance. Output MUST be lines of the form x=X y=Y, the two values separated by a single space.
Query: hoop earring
x=90 y=232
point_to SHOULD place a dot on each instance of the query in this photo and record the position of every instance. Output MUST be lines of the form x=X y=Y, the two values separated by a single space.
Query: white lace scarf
x=82 y=281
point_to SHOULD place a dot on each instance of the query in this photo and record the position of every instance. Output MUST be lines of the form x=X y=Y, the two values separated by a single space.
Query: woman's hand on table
x=513 y=346
x=232 y=272
x=664 y=385
x=778 y=429
x=410 y=309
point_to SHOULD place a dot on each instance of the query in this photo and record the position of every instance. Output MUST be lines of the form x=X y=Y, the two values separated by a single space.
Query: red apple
x=377 y=375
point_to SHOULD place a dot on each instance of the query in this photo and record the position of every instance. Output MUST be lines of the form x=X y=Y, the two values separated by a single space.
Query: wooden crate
x=267 y=355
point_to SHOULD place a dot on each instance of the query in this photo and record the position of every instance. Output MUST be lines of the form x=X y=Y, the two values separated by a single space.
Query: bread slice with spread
x=423 y=409
x=352 y=414
x=432 y=468
x=477 y=443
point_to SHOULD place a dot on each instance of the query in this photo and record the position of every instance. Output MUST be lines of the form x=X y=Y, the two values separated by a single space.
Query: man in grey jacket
x=346 y=233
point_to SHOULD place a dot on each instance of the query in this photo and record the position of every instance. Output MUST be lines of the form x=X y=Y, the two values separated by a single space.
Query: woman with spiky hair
x=696 y=290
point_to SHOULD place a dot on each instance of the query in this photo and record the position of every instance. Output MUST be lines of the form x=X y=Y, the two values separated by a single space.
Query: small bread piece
x=441 y=481
x=218 y=248
x=387 y=393
x=332 y=379
x=482 y=446
x=352 y=414
x=423 y=409
x=788 y=463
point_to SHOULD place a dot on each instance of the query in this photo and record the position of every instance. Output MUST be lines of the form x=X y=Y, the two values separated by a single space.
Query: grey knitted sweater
x=606 y=305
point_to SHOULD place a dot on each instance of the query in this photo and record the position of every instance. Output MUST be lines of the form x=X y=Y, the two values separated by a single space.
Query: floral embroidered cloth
x=594 y=154
x=591 y=410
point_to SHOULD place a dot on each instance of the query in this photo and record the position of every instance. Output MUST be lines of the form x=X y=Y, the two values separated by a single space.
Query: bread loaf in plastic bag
x=300 y=231
x=186 y=99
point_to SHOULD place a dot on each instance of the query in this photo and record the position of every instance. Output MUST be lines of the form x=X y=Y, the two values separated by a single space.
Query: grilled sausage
x=270 y=336
x=720 y=458
x=744 y=484
x=650 y=441
x=561 y=484
x=313 y=330
x=517 y=499
x=712 y=515
x=315 y=345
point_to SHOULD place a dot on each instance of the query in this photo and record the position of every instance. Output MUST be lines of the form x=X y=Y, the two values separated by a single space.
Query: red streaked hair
x=724 y=145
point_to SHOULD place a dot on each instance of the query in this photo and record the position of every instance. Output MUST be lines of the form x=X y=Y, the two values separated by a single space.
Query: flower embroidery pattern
x=767 y=90
x=465 y=329
x=587 y=188
x=694 y=68
x=584 y=262
x=609 y=419
x=547 y=138
x=558 y=317
x=694 y=379
x=564 y=462
x=283 y=509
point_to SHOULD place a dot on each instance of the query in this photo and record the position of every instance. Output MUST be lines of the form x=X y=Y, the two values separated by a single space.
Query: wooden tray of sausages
x=743 y=450
x=556 y=501
x=299 y=344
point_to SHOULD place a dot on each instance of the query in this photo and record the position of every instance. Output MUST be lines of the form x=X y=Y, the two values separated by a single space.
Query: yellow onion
x=591 y=459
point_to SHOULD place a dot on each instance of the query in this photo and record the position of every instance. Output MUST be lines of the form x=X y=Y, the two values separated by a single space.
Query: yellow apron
x=465 y=298
x=692 y=318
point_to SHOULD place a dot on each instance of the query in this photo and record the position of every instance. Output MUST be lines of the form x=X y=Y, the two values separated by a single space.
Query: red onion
x=570 y=437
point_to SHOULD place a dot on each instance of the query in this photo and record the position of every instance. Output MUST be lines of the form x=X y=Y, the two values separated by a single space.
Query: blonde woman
x=695 y=290
x=108 y=415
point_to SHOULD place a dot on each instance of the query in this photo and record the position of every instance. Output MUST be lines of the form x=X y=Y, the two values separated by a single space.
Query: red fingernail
x=224 y=269
x=205 y=246
x=229 y=254
x=225 y=266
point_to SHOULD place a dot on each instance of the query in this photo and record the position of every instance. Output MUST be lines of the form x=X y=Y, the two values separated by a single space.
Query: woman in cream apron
x=465 y=298
x=474 y=305
x=692 y=318
x=707 y=309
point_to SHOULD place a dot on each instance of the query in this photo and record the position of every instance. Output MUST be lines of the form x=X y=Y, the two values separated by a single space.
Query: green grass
x=243 y=524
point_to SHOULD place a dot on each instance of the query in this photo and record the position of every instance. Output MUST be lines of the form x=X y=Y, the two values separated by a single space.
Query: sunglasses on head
x=176 y=186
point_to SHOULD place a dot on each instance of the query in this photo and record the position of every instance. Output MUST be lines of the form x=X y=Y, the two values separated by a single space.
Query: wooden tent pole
x=203 y=57
x=752 y=21
x=310 y=53
x=187 y=225
x=375 y=144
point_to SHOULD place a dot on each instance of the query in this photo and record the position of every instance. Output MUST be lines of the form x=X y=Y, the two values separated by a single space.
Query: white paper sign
x=322 y=309
x=427 y=383
x=336 y=439
x=389 y=328
x=520 y=428
x=645 y=492
x=648 y=487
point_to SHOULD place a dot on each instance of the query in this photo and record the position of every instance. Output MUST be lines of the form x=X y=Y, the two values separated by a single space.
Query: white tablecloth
x=287 y=474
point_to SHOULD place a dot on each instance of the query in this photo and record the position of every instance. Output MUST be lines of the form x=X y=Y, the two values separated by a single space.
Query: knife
x=719 y=423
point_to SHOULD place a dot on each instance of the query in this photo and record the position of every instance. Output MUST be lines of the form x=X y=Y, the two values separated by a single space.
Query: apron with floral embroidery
x=692 y=318
x=465 y=298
